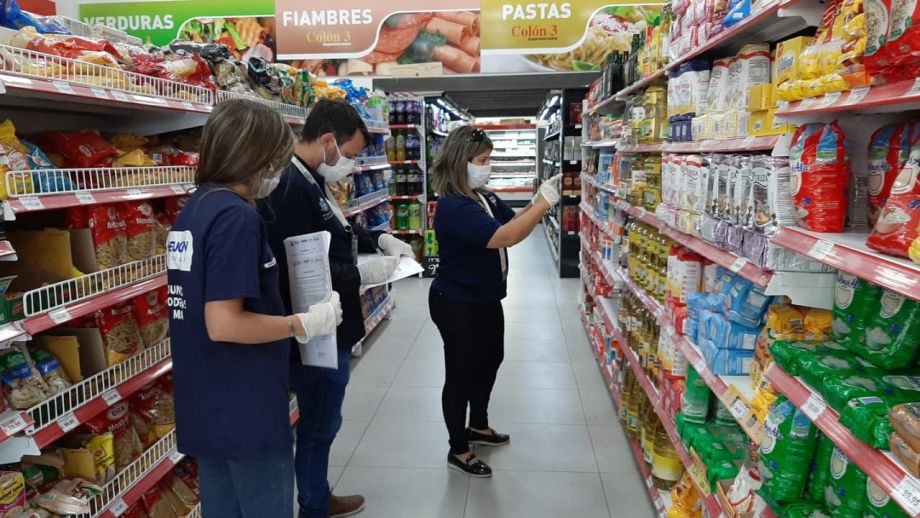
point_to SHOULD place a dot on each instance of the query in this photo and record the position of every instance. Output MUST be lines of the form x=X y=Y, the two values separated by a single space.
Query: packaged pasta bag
x=140 y=229
x=884 y=164
x=178 y=505
x=151 y=314
x=182 y=490
x=51 y=371
x=109 y=235
x=146 y=434
x=22 y=383
x=102 y=446
x=136 y=511
x=173 y=206
x=84 y=148
x=820 y=177
x=155 y=404
x=115 y=420
x=119 y=332
x=898 y=222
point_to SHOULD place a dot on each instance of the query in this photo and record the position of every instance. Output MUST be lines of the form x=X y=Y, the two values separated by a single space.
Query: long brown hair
x=243 y=142
x=449 y=172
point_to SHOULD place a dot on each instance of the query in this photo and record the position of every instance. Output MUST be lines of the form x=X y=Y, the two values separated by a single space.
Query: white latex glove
x=549 y=190
x=321 y=319
x=378 y=270
x=393 y=246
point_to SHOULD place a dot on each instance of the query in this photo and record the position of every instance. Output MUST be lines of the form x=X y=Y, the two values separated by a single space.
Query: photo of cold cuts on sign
x=450 y=38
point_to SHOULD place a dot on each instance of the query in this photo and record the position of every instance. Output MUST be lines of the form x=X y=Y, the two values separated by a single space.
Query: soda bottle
x=412 y=181
x=391 y=149
x=402 y=215
x=401 y=182
x=401 y=147
x=415 y=215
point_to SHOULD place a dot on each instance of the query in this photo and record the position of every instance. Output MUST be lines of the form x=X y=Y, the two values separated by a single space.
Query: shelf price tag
x=828 y=99
x=857 y=94
x=698 y=363
x=814 y=407
x=68 y=422
x=85 y=198
x=739 y=409
x=31 y=203
x=187 y=105
x=908 y=495
x=820 y=249
x=739 y=263
x=914 y=89
x=120 y=96
x=111 y=397
x=175 y=457
x=63 y=87
x=59 y=316
x=648 y=481
x=99 y=93
x=748 y=142
x=118 y=507
x=178 y=189
x=13 y=425
x=806 y=103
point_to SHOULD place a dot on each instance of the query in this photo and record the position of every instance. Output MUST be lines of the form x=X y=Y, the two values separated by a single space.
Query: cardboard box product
x=786 y=62
x=761 y=97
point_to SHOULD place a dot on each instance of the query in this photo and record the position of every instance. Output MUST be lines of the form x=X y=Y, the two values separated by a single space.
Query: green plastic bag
x=855 y=300
x=787 y=353
x=867 y=417
x=803 y=509
x=879 y=504
x=838 y=388
x=820 y=468
x=892 y=335
x=786 y=451
x=816 y=368
x=695 y=400
x=845 y=494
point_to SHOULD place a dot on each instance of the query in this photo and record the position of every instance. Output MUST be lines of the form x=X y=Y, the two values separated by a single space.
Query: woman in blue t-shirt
x=230 y=335
x=474 y=227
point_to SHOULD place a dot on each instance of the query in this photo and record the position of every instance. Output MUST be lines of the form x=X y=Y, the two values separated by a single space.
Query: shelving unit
x=513 y=161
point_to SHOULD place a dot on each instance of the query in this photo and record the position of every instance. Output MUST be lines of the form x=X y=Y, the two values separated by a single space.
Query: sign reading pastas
x=323 y=28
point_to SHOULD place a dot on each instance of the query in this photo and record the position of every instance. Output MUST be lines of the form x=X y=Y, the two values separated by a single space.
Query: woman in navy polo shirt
x=474 y=227
x=230 y=335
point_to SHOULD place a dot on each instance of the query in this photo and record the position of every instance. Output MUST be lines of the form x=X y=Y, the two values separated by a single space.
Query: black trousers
x=474 y=347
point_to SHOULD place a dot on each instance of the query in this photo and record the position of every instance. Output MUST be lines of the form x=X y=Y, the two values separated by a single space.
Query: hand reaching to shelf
x=549 y=190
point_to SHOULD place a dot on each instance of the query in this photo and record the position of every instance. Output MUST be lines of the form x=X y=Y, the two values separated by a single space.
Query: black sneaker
x=473 y=466
x=487 y=439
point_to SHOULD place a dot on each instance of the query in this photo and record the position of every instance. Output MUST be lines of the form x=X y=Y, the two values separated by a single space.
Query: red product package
x=77 y=217
x=127 y=444
x=140 y=229
x=885 y=160
x=119 y=332
x=174 y=205
x=820 y=177
x=151 y=314
x=136 y=511
x=110 y=238
x=81 y=148
x=898 y=223
x=155 y=404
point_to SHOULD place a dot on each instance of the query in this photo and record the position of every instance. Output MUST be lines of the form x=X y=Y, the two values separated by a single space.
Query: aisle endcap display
x=880 y=467
x=848 y=252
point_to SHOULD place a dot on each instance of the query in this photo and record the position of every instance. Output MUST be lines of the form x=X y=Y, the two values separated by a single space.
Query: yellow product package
x=817 y=323
x=134 y=158
x=808 y=67
x=13 y=157
x=102 y=447
x=914 y=250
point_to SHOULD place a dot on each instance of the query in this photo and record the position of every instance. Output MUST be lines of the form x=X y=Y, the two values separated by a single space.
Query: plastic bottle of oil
x=626 y=393
x=666 y=465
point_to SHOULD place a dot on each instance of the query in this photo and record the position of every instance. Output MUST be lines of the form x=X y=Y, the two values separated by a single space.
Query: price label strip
x=59 y=316
x=63 y=87
x=828 y=99
x=914 y=89
x=739 y=263
x=175 y=457
x=907 y=493
x=739 y=409
x=13 y=425
x=814 y=407
x=85 y=198
x=857 y=94
x=118 y=507
x=99 y=93
x=111 y=397
x=68 y=422
x=31 y=203
x=821 y=249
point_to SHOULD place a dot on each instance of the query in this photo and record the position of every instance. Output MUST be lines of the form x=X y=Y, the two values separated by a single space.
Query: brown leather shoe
x=340 y=506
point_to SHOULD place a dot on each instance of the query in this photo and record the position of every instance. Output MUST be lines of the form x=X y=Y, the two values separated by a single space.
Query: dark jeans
x=247 y=488
x=474 y=346
x=320 y=393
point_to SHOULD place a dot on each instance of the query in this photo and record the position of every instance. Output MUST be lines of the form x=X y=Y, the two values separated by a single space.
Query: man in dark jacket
x=333 y=135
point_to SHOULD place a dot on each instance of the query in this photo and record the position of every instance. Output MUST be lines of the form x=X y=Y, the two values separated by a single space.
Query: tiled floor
x=568 y=456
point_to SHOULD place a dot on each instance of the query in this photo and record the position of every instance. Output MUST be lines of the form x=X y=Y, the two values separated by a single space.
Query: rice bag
x=897 y=224
x=820 y=468
x=815 y=368
x=845 y=495
x=867 y=417
x=786 y=451
x=892 y=338
x=820 y=170
x=695 y=399
x=884 y=164
x=788 y=354
x=855 y=300
x=803 y=509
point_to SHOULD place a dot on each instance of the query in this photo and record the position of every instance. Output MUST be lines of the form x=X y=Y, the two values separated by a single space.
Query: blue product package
x=750 y=309
x=728 y=362
x=718 y=329
x=736 y=293
x=737 y=11
x=691 y=329
x=742 y=337
x=703 y=330
x=696 y=302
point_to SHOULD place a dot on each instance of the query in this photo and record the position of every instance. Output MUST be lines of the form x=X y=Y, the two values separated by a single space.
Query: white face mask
x=337 y=172
x=478 y=174
x=268 y=185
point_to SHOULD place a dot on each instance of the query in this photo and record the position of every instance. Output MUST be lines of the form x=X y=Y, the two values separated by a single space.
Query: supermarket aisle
x=568 y=456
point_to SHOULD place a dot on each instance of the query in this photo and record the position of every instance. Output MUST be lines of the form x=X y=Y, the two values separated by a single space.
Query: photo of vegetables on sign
x=559 y=36
x=246 y=37
x=449 y=38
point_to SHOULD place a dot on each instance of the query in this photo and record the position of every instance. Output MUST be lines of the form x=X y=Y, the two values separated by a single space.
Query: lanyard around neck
x=333 y=203
x=502 y=253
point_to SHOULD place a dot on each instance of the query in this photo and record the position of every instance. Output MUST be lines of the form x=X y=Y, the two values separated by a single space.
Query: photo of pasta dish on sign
x=450 y=38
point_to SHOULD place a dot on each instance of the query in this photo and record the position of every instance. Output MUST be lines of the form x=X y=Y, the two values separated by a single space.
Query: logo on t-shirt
x=179 y=250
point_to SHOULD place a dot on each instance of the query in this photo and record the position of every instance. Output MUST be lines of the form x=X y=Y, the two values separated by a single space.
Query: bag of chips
x=115 y=420
x=820 y=176
x=119 y=332
x=898 y=222
x=109 y=235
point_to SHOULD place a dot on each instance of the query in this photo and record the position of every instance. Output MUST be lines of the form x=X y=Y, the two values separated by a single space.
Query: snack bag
x=22 y=384
x=788 y=445
x=126 y=442
x=119 y=332
x=51 y=371
x=109 y=235
x=140 y=229
x=820 y=177
x=13 y=157
x=892 y=337
x=81 y=148
x=150 y=311
x=897 y=224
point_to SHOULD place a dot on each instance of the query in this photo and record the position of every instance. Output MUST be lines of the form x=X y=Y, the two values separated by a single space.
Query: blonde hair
x=449 y=172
